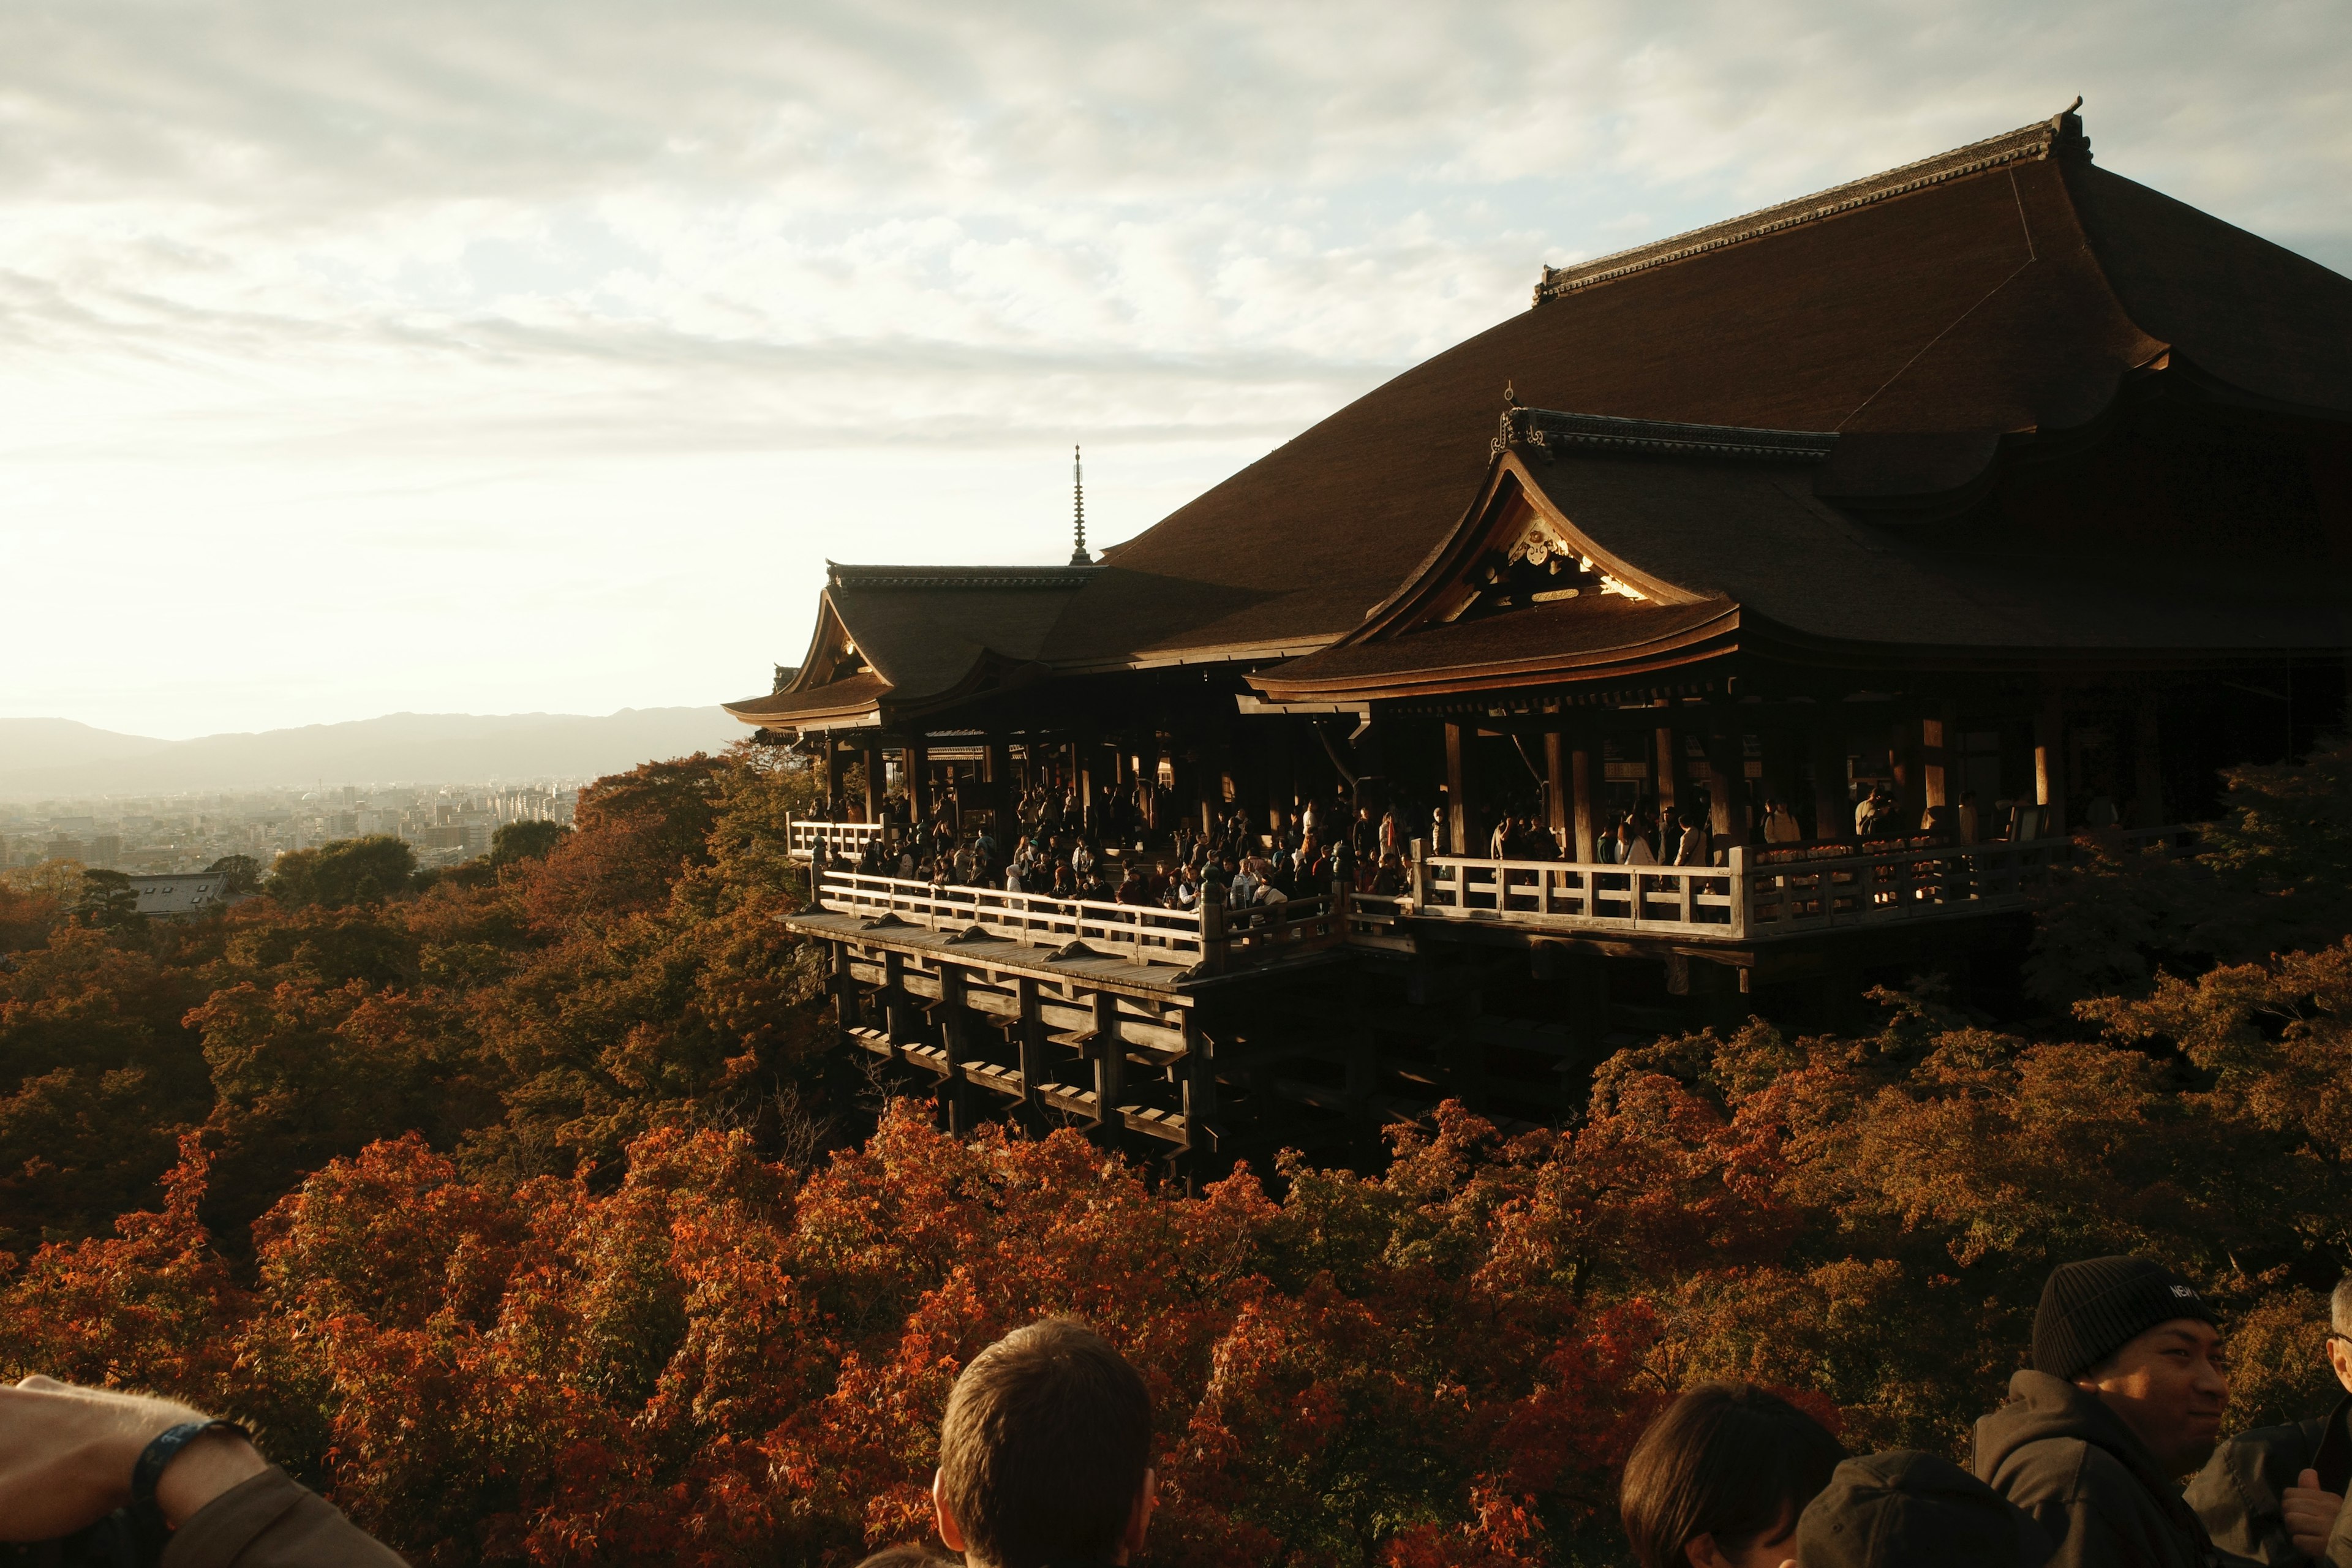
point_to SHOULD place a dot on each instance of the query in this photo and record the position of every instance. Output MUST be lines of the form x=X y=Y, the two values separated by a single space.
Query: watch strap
x=154 y=1458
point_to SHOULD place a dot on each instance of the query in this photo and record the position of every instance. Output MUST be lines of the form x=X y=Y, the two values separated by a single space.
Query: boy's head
x=1045 y=1454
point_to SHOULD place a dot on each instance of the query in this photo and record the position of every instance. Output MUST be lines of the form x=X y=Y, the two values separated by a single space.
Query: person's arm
x=66 y=1454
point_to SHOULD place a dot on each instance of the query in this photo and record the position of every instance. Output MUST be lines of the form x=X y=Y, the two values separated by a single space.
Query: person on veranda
x=1693 y=847
x=2124 y=1397
x=1045 y=1454
x=2271 y=1494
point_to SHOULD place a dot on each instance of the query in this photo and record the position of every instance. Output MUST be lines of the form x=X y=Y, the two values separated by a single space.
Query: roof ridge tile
x=2061 y=135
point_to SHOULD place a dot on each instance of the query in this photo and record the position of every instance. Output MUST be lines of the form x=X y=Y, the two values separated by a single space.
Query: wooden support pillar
x=915 y=761
x=2050 y=763
x=1000 y=791
x=1678 y=974
x=874 y=781
x=1459 y=824
x=1110 y=1068
x=1939 y=759
x=896 y=1006
x=833 y=801
x=1281 y=768
x=1833 y=812
x=1465 y=1066
x=845 y=1000
x=1727 y=779
x=2147 y=762
x=1910 y=764
x=1032 y=1055
x=1199 y=1083
x=1559 y=793
x=1585 y=768
x=1587 y=1007
x=1669 y=769
x=955 y=1038
x=1362 y=1065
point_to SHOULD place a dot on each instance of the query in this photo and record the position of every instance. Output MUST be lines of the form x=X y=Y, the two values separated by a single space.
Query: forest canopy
x=513 y=1211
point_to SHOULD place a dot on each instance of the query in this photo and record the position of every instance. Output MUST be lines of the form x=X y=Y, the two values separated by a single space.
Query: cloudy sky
x=499 y=356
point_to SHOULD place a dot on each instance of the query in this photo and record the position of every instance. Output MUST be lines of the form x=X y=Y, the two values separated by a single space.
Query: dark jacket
x=2237 y=1493
x=2065 y=1458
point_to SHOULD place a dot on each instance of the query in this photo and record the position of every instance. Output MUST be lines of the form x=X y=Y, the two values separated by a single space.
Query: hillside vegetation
x=515 y=1210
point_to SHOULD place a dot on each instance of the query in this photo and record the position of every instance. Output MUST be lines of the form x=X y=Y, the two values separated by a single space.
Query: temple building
x=1996 y=481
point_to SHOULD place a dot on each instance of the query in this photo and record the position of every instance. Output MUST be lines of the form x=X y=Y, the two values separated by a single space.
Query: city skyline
x=459 y=362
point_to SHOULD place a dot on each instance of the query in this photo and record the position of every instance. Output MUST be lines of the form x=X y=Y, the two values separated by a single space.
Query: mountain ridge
x=49 y=757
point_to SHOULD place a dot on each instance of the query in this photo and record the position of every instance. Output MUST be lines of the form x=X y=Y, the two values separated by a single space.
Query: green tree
x=524 y=841
x=243 y=872
x=348 y=872
x=108 y=900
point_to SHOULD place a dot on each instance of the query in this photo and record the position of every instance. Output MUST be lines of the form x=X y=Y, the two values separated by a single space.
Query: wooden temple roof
x=1924 y=326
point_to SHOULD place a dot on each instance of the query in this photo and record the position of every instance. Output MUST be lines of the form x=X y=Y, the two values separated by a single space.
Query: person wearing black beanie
x=2125 y=1397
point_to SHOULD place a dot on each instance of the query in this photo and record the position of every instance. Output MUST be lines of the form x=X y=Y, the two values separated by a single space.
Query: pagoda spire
x=1078 y=556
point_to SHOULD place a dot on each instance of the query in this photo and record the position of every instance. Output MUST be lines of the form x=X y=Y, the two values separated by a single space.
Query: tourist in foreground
x=2271 y=1494
x=144 y=1471
x=2125 y=1397
x=1719 y=1480
x=1044 y=1454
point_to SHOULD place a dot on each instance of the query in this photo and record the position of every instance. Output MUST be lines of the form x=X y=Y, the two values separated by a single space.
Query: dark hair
x=1726 y=1459
x=1045 y=1447
x=906 y=1557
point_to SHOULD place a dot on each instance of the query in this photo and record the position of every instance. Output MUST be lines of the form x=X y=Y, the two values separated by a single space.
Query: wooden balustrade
x=1758 y=895
x=1213 y=938
x=842 y=840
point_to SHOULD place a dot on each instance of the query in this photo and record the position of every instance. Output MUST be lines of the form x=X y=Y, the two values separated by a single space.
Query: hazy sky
x=508 y=356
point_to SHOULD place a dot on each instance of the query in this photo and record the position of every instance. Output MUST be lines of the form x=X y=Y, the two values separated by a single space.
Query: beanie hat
x=2092 y=1309
x=1910 y=1510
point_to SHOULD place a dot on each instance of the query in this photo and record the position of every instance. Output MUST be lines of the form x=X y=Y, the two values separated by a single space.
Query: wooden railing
x=1212 y=938
x=1693 y=899
x=1758 y=895
x=842 y=840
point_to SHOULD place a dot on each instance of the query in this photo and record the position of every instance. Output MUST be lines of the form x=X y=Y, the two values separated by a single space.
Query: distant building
x=177 y=897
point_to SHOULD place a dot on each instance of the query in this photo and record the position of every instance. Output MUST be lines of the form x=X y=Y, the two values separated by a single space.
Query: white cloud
x=534 y=356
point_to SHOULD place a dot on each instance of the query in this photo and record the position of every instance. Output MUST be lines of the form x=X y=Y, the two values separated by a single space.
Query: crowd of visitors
x=1045 y=1459
x=1058 y=850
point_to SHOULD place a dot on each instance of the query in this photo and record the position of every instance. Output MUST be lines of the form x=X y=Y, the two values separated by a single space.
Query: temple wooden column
x=1779 y=745
x=1000 y=791
x=1458 y=825
x=1032 y=1030
x=1281 y=769
x=1586 y=766
x=955 y=1038
x=2050 y=763
x=1833 y=812
x=1669 y=761
x=2147 y=762
x=1940 y=758
x=1726 y=778
x=916 y=762
x=1110 y=1068
x=1559 y=809
x=874 y=780
x=833 y=801
x=1910 y=768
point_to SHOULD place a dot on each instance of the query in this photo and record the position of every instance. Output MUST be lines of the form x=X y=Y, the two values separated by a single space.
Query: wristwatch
x=157 y=1456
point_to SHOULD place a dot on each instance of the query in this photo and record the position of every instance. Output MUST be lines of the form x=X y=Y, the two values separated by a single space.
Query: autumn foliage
x=516 y=1217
